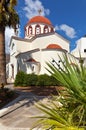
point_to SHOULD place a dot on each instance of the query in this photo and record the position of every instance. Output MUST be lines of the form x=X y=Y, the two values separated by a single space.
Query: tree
x=8 y=17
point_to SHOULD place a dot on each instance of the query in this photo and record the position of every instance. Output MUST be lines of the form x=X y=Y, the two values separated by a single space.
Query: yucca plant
x=72 y=114
x=55 y=118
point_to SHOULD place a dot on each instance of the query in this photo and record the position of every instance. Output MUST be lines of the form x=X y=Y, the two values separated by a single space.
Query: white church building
x=41 y=44
x=80 y=50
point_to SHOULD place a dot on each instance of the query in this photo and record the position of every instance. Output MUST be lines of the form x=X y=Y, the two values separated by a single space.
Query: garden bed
x=40 y=91
x=6 y=96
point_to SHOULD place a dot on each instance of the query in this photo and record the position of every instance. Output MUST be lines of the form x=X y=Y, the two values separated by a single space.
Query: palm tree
x=8 y=17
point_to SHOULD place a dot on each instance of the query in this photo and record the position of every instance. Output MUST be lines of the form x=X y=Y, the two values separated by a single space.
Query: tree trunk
x=2 y=56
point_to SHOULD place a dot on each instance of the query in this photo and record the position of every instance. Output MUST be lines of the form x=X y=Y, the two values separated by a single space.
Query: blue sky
x=67 y=16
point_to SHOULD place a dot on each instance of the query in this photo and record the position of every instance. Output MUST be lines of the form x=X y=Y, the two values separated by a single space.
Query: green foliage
x=23 y=79
x=8 y=15
x=31 y=80
x=20 y=79
x=43 y=80
x=71 y=114
x=54 y=81
x=54 y=118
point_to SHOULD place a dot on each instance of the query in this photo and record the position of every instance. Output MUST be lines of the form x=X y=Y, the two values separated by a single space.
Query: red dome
x=39 y=19
x=53 y=46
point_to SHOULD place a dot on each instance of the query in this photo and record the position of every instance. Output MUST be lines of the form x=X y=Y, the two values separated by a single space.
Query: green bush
x=54 y=81
x=43 y=80
x=23 y=79
x=20 y=79
x=46 y=80
x=31 y=79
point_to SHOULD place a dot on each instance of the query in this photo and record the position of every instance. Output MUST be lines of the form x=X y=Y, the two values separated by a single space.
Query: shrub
x=31 y=79
x=43 y=80
x=20 y=79
x=46 y=80
x=54 y=81
x=23 y=79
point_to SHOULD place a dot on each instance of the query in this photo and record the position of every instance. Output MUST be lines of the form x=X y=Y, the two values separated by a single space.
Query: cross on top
x=39 y=11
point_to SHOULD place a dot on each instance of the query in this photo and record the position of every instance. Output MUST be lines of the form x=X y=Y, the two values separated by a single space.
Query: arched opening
x=30 y=30
x=52 y=30
x=46 y=30
x=12 y=71
x=37 y=29
x=18 y=67
x=25 y=31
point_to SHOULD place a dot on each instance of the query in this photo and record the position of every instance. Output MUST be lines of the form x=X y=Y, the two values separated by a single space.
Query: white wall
x=43 y=42
x=48 y=56
x=83 y=44
x=79 y=50
x=19 y=46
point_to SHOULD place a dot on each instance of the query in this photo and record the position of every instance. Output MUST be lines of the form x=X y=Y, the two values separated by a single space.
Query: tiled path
x=17 y=114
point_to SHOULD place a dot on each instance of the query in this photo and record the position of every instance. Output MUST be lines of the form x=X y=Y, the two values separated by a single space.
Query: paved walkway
x=17 y=114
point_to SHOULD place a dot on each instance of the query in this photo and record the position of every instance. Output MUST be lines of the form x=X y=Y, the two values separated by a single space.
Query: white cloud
x=8 y=33
x=69 y=31
x=57 y=27
x=32 y=6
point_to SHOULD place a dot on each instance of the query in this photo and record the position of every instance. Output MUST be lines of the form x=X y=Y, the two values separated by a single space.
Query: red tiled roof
x=39 y=19
x=53 y=46
x=31 y=60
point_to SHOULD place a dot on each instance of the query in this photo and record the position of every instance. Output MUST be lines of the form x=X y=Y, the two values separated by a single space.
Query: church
x=41 y=44
x=80 y=50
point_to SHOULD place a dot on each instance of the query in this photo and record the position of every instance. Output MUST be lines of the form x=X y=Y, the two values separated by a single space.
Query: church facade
x=40 y=45
x=80 y=51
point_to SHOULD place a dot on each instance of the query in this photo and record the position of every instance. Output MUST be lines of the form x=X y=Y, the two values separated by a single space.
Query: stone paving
x=17 y=114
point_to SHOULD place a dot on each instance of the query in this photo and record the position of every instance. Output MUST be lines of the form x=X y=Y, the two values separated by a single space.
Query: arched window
x=12 y=66
x=46 y=30
x=25 y=32
x=52 y=30
x=37 y=29
x=30 y=30
x=18 y=67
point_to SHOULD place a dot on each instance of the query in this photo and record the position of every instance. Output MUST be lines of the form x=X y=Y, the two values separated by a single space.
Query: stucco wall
x=43 y=42
x=79 y=50
x=48 y=56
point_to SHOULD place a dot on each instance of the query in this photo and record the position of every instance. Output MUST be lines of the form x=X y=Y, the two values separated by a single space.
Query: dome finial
x=40 y=11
